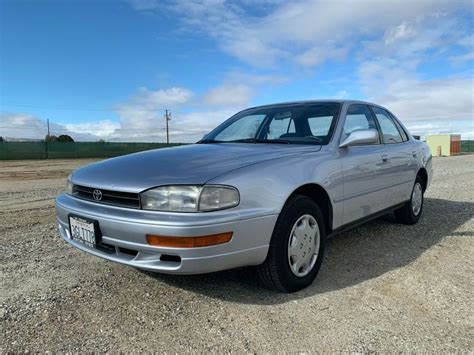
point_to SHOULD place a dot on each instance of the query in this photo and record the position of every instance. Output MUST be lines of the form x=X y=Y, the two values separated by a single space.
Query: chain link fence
x=65 y=150
x=467 y=146
x=71 y=150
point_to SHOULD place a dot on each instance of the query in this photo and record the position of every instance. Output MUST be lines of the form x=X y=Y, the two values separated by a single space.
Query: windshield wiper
x=206 y=141
x=258 y=140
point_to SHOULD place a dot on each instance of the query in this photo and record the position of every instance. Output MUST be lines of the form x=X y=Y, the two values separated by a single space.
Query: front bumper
x=124 y=232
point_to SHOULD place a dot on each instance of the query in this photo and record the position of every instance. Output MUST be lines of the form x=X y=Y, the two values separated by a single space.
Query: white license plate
x=83 y=231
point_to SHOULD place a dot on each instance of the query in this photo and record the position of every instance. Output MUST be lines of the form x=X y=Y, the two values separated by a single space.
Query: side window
x=358 y=117
x=281 y=125
x=400 y=129
x=390 y=131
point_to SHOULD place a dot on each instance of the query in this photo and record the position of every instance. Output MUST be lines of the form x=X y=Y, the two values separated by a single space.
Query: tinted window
x=358 y=117
x=390 y=131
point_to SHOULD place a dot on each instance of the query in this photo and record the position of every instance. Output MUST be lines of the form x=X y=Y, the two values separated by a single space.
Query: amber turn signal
x=188 y=242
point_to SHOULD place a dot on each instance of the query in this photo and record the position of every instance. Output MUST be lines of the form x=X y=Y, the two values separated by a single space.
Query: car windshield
x=296 y=123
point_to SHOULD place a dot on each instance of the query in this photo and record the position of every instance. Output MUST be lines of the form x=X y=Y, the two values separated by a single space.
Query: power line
x=36 y=127
x=66 y=108
x=55 y=107
x=72 y=129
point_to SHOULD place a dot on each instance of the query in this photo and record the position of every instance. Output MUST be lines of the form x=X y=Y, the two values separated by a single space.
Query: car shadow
x=351 y=257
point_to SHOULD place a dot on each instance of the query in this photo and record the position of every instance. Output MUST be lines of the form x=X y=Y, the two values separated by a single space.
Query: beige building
x=444 y=144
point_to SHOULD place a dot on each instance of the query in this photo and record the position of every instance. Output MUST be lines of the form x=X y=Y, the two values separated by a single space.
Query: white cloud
x=229 y=95
x=458 y=60
x=26 y=126
x=400 y=32
x=192 y=126
x=463 y=127
x=143 y=112
x=299 y=31
x=426 y=106
x=320 y=54
x=101 y=129
x=148 y=101
x=389 y=41
x=141 y=117
x=254 y=79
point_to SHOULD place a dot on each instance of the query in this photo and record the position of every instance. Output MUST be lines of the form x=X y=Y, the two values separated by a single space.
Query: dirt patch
x=383 y=287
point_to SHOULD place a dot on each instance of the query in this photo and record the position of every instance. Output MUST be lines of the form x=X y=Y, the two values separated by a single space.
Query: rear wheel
x=410 y=213
x=296 y=248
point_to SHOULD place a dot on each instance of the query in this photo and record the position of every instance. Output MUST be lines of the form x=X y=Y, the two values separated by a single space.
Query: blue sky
x=108 y=69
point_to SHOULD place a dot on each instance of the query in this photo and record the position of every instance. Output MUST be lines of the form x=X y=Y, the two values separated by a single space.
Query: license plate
x=83 y=231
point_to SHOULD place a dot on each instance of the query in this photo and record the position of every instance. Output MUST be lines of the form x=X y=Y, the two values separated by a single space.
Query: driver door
x=365 y=170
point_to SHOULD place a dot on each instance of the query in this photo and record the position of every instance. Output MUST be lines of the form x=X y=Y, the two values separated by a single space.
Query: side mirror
x=361 y=137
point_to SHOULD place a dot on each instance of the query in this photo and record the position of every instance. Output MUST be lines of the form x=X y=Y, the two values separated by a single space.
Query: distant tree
x=50 y=138
x=101 y=141
x=1 y=139
x=65 y=138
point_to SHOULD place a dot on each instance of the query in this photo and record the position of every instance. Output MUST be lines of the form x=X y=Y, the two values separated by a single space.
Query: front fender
x=268 y=185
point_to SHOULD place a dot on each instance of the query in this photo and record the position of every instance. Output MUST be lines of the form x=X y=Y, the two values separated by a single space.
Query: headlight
x=171 y=198
x=218 y=197
x=69 y=186
x=189 y=198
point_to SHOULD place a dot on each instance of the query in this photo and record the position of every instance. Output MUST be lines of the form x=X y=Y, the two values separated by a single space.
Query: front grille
x=114 y=198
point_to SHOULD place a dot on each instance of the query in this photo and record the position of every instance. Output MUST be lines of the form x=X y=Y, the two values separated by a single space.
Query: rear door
x=366 y=174
x=400 y=154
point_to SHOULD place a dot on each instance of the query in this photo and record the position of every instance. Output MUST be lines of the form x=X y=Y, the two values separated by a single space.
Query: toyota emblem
x=97 y=195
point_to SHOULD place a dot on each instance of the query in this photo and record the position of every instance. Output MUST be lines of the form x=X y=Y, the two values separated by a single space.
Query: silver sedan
x=266 y=188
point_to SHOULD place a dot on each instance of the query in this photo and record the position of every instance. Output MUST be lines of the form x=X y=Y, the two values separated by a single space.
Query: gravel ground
x=382 y=287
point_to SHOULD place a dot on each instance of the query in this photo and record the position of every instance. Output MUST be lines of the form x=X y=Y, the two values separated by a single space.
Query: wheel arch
x=423 y=174
x=319 y=195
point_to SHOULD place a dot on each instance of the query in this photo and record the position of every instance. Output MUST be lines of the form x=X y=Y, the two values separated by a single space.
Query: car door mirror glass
x=361 y=137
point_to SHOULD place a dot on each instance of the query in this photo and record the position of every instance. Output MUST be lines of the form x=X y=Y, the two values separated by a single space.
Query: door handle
x=385 y=159
x=414 y=153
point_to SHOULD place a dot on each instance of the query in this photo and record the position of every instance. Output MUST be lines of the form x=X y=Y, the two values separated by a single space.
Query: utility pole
x=167 y=119
x=46 y=141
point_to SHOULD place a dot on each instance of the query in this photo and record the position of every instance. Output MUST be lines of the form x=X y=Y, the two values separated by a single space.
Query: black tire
x=275 y=272
x=405 y=214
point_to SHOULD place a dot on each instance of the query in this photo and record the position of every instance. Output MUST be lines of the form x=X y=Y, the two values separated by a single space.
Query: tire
x=302 y=216
x=411 y=212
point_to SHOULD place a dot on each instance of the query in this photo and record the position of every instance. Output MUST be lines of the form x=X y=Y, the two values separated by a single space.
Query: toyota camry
x=266 y=188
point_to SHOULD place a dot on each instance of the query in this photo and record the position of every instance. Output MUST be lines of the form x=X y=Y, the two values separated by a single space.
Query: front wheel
x=410 y=213
x=296 y=248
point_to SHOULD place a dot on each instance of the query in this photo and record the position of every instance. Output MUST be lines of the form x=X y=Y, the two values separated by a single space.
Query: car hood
x=189 y=164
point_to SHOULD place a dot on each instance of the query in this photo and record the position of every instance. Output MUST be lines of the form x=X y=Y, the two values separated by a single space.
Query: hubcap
x=303 y=245
x=417 y=199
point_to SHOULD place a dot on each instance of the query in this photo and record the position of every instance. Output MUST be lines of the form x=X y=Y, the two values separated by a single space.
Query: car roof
x=302 y=102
